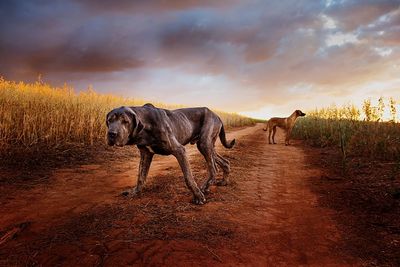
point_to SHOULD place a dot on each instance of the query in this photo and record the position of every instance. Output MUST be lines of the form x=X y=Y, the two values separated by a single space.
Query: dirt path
x=266 y=217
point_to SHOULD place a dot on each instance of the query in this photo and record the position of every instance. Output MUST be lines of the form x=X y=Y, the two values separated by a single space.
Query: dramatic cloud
x=257 y=57
x=355 y=13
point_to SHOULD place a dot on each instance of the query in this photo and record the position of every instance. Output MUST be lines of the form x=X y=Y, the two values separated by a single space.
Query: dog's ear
x=137 y=125
x=107 y=117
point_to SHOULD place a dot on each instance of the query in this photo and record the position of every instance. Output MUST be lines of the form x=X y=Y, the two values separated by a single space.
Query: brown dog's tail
x=222 y=137
x=266 y=127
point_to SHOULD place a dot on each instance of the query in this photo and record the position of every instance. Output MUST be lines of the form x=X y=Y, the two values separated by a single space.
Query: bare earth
x=268 y=216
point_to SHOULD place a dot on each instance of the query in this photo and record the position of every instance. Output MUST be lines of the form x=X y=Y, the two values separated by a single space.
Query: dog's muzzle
x=112 y=136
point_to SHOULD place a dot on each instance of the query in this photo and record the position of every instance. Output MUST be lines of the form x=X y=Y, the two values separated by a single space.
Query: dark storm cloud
x=53 y=36
x=68 y=58
x=253 y=49
x=48 y=39
x=129 y=6
x=227 y=43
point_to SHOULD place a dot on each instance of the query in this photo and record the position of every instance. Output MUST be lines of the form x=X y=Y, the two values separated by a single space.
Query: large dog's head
x=299 y=113
x=123 y=125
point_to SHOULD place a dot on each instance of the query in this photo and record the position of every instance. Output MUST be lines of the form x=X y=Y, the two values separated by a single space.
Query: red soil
x=268 y=216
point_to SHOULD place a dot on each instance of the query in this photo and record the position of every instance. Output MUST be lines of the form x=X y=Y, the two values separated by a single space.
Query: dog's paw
x=205 y=191
x=135 y=191
x=205 y=188
x=132 y=192
x=125 y=193
x=222 y=183
x=199 y=200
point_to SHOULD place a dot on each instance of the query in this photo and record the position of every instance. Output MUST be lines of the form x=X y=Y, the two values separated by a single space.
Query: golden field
x=39 y=115
x=354 y=131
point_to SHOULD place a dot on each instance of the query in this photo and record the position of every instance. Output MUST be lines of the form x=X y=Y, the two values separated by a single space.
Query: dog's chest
x=158 y=150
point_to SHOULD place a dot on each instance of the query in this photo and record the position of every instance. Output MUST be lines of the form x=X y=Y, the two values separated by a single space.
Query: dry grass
x=342 y=127
x=36 y=115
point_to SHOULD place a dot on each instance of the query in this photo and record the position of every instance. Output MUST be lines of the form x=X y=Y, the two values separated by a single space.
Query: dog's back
x=280 y=122
x=274 y=122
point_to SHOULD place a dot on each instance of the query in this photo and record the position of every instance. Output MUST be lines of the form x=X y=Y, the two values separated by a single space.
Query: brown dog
x=284 y=123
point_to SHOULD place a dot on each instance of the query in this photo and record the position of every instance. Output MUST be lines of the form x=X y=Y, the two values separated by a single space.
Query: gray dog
x=161 y=131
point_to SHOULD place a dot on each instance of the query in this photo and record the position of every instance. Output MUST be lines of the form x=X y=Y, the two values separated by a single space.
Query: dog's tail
x=222 y=137
x=266 y=126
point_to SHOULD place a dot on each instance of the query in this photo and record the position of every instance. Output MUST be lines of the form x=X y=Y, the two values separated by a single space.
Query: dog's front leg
x=180 y=154
x=145 y=161
x=287 y=138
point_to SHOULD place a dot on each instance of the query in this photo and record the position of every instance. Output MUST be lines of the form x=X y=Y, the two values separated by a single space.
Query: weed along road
x=267 y=216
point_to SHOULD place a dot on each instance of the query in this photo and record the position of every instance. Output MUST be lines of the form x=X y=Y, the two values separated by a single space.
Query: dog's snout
x=112 y=135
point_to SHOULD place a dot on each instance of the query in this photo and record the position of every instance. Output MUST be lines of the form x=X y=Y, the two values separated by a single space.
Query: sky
x=256 y=57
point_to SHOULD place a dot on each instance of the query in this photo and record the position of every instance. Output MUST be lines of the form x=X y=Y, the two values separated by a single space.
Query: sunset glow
x=257 y=58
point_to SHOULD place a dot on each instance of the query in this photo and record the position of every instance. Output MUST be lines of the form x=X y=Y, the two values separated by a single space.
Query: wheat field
x=39 y=115
x=355 y=132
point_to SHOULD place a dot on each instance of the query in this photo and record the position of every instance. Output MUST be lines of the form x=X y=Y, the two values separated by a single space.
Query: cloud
x=383 y=51
x=233 y=55
x=354 y=13
x=339 y=39
x=328 y=22
x=74 y=59
x=385 y=30
x=154 y=6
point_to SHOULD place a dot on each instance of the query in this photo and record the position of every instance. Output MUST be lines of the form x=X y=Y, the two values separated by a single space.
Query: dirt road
x=267 y=217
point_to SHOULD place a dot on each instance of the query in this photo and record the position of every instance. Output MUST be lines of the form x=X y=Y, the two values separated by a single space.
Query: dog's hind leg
x=273 y=134
x=226 y=168
x=207 y=150
x=269 y=135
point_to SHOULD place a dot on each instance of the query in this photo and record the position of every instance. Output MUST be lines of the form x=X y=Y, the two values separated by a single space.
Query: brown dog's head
x=123 y=124
x=299 y=113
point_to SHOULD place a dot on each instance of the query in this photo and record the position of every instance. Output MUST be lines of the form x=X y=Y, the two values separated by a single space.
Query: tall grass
x=38 y=115
x=341 y=127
